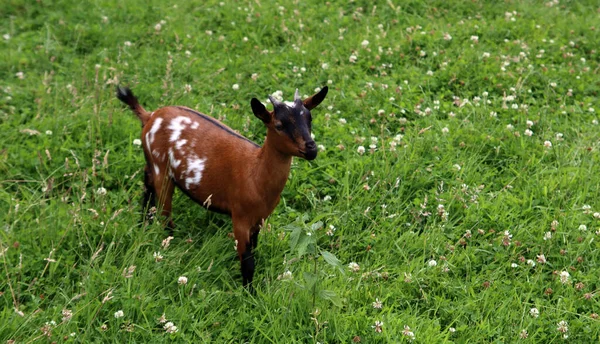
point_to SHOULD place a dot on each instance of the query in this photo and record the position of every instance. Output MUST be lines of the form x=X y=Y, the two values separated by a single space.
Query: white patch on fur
x=155 y=153
x=152 y=113
x=289 y=104
x=180 y=143
x=152 y=133
x=195 y=166
x=195 y=125
x=156 y=170
x=174 y=162
x=177 y=125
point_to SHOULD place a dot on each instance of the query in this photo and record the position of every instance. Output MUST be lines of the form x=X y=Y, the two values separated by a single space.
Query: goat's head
x=289 y=124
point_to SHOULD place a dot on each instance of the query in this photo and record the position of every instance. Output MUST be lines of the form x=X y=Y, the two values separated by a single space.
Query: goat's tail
x=126 y=96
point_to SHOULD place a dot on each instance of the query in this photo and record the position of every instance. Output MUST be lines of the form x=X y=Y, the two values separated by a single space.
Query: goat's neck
x=272 y=169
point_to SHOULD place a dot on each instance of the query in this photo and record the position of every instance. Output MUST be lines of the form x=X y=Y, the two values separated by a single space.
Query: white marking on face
x=177 y=125
x=195 y=125
x=156 y=170
x=174 y=162
x=195 y=166
x=152 y=133
x=180 y=143
x=289 y=104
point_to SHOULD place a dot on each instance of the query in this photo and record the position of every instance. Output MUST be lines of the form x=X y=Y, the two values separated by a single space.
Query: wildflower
x=445 y=130
x=429 y=73
x=456 y=167
x=360 y=150
x=127 y=43
x=564 y=277
x=510 y=127
x=157 y=27
x=157 y=256
x=187 y=88
x=530 y=262
x=326 y=198
x=534 y=312
x=547 y=144
x=523 y=334
x=407 y=332
x=342 y=121
x=547 y=235
x=66 y=315
x=364 y=43
x=182 y=280
x=352 y=58
x=166 y=242
x=552 y=84
x=286 y=276
x=583 y=228
x=6 y=36
x=432 y=263
x=562 y=327
x=331 y=230
x=162 y=319
x=377 y=304
x=452 y=330
x=378 y=326
x=447 y=37
x=20 y=75
x=208 y=32
x=541 y=259
x=514 y=265
x=354 y=267
x=170 y=327
x=325 y=65
x=475 y=39
x=137 y=142
x=101 y=191
x=235 y=87
x=119 y=314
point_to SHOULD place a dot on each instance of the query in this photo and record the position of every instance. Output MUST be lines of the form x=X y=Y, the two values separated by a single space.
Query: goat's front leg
x=242 y=234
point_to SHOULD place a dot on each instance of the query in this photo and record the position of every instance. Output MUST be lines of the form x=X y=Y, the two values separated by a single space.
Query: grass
x=458 y=221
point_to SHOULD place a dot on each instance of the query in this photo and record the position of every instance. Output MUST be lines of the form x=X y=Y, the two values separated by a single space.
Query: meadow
x=454 y=198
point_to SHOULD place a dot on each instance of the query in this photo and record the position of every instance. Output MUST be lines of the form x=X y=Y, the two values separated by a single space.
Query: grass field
x=457 y=183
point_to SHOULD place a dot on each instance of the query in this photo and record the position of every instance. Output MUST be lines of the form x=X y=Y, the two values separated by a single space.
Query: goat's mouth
x=308 y=155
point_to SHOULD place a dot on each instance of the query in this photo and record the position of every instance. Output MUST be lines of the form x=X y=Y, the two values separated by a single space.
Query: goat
x=220 y=169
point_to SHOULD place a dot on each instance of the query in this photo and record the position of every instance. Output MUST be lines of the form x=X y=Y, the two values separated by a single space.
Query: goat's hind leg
x=149 y=200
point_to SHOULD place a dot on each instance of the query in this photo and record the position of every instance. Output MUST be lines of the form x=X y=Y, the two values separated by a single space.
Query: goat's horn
x=274 y=101
x=297 y=95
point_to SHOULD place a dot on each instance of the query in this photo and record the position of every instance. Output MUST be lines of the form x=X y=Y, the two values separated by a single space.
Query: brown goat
x=220 y=169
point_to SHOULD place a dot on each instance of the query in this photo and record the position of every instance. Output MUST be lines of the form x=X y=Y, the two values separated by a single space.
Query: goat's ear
x=260 y=111
x=316 y=99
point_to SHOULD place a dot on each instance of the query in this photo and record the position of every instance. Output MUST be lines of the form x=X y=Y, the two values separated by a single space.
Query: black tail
x=126 y=96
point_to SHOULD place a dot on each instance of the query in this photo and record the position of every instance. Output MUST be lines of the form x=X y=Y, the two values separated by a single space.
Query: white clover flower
x=182 y=280
x=325 y=65
x=547 y=144
x=6 y=36
x=137 y=142
x=377 y=304
x=361 y=150
x=514 y=265
x=20 y=75
x=101 y=191
x=534 y=312
x=49 y=132
x=530 y=262
x=564 y=277
x=407 y=333
x=547 y=235
x=119 y=314
x=235 y=87
x=510 y=127
x=127 y=43
x=187 y=88
x=583 y=228
x=364 y=43
x=352 y=58
x=445 y=130
x=562 y=327
x=157 y=27
x=354 y=267
x=170 y=327
x=447 y=37
x=528 y=132
x=343 y=121
x=432 y=263
x=157 y=256
x=486 y=55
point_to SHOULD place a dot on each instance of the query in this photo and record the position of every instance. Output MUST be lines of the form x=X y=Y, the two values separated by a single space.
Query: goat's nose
x=311 y=145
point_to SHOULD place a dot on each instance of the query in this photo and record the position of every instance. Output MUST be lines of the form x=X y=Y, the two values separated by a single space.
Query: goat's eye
x=278 y=126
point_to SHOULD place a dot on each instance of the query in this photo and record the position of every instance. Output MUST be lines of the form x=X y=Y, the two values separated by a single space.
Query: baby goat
x=221 y=170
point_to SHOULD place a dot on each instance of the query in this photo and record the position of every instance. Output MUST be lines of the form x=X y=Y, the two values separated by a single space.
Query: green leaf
x=332 y=260
x=295 y=237
x=315 y=226
x=303 y=242
x=311 y=279
x=331 y=296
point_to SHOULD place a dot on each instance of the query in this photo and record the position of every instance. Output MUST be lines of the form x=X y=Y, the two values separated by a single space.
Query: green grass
x=65 y=246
